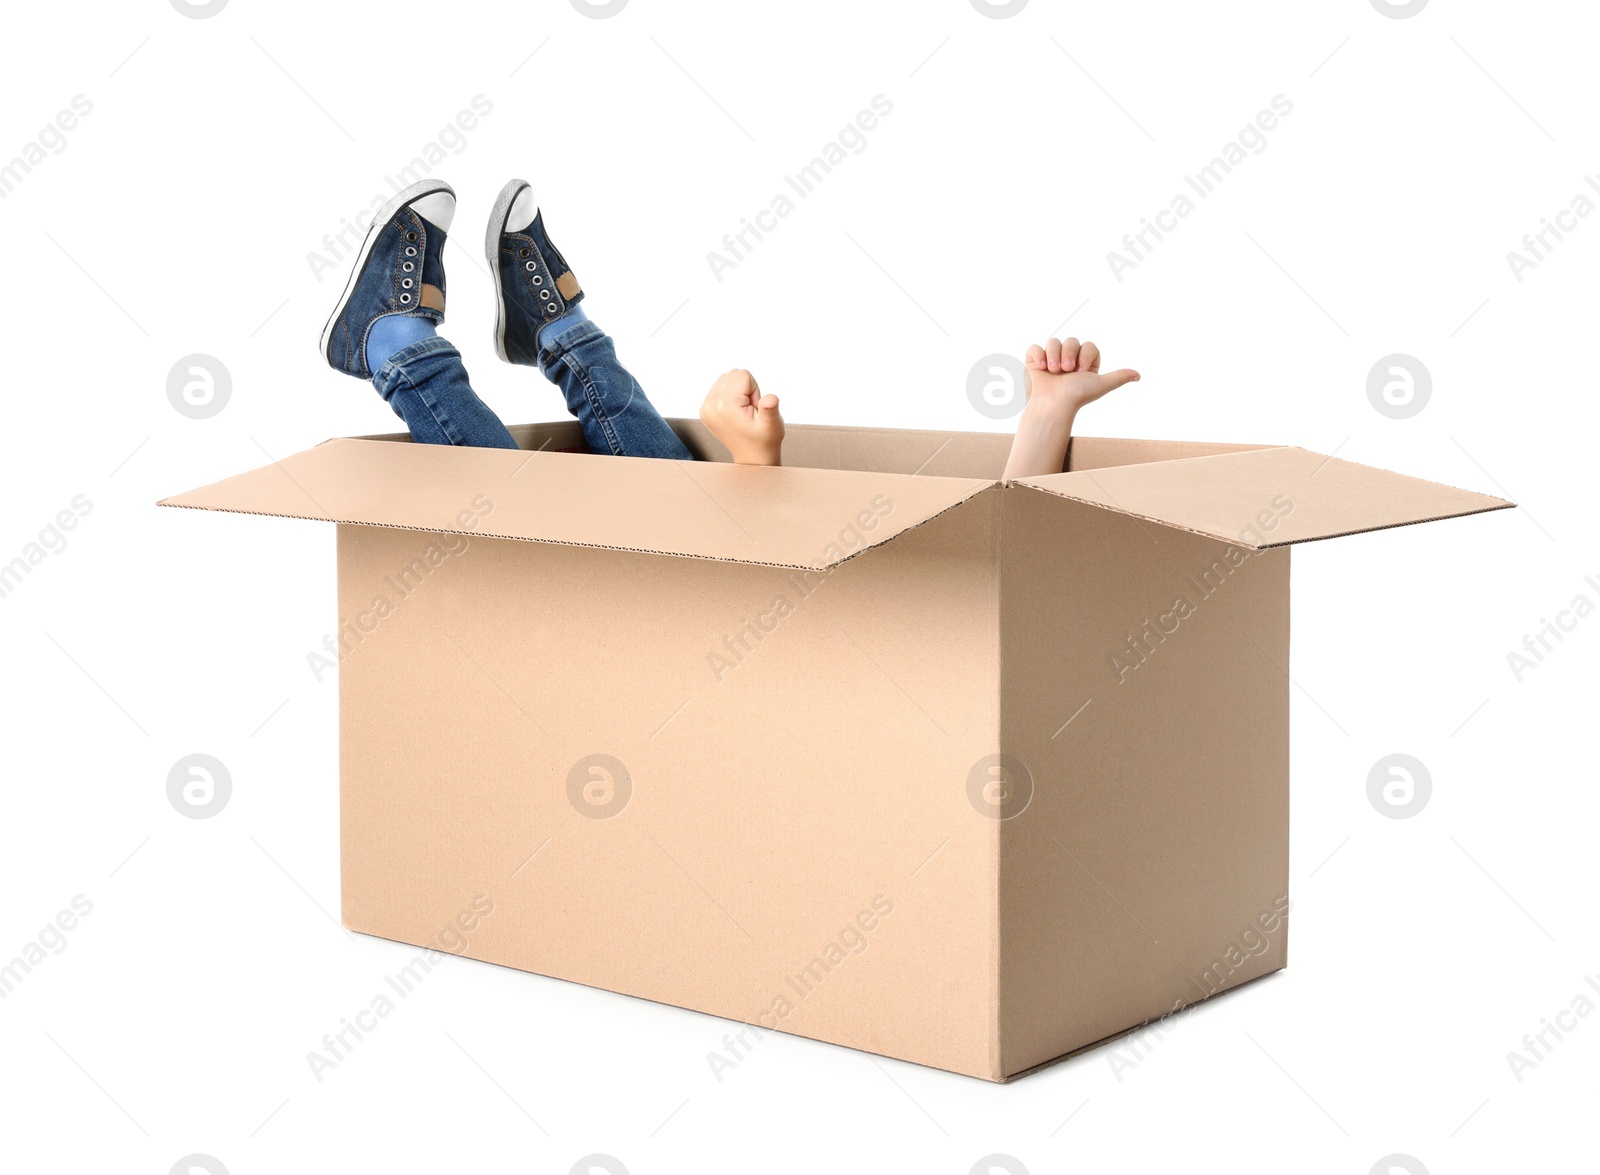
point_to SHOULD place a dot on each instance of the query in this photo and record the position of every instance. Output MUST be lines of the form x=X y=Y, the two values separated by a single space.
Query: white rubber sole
x=491 y=251
x=379 y=218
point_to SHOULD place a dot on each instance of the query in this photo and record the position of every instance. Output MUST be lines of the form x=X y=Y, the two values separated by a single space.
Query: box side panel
x=811 y=446
x=718 y=786
x=877 y=450
x=883 y=450
x=1105 y=452
x=943 y=454
x=558 y=436
x=1145 y=691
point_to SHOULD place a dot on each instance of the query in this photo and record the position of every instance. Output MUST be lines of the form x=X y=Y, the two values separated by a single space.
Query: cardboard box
x=871 y=748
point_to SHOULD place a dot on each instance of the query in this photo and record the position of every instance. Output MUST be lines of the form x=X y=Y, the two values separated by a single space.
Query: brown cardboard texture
x=872 y=748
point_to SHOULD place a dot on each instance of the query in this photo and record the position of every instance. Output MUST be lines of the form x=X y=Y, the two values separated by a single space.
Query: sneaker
x=399 y=270
x=533 y=284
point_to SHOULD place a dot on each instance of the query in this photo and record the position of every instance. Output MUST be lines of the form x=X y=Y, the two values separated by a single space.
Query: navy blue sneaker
x=533 y=283
x=399 y=270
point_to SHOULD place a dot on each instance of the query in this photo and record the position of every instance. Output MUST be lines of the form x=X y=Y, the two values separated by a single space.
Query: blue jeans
x=427 y=386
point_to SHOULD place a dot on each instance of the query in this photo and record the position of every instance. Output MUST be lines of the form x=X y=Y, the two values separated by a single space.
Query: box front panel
x=721 y=787
x=1145 y=694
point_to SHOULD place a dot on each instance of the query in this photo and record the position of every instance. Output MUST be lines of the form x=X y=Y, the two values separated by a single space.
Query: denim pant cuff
x=384 y=377
x=553 y=345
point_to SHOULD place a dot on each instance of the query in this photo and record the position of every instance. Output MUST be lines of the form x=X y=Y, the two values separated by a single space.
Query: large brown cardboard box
x=873 y=748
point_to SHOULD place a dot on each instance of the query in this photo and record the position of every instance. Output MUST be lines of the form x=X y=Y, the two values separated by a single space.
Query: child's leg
x=1062 y=378
x=540 y=324
x=427 y=386
x=616 y=416
x=383 y=326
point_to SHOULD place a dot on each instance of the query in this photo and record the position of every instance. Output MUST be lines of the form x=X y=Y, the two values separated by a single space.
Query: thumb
x=768 y=403
x=1111 y=380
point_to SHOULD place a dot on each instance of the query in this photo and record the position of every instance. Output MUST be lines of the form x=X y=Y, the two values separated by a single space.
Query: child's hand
x=1071 y=372
x=744 y=420
x=1061 y=378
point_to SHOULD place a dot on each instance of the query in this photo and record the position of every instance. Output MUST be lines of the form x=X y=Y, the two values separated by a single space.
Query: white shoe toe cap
x=437 y=208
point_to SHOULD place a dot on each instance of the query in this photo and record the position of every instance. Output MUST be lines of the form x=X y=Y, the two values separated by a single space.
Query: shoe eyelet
x=405 y=283
x=522 y=252
x=531 y=267
x=408 y=267
x=411 y=236
x=405 y=298
x=538 y=279
x=550 y=308
x=544 y=294
x=411 y=250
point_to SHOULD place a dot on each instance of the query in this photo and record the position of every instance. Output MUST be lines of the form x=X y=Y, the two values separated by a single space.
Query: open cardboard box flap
x=783 y=517
x=1266 y=497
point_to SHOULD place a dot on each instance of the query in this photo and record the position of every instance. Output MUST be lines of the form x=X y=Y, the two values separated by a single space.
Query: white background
x=179 y=218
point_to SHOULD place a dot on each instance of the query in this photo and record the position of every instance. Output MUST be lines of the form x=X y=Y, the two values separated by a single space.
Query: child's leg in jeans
x=427 y=386
x=1061 y=379
x=540 y=324
x=383 y=327
x=616 y=416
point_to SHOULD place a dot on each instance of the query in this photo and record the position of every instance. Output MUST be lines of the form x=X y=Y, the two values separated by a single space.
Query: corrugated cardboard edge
x=996 y=857
x=1504 y=504
x=478 y=534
